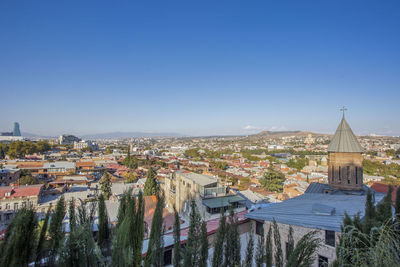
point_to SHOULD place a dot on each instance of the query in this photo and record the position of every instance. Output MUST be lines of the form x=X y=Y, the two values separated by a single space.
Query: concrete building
x=66 y=139
x=84 y=144
x=13 y=198
x=184 y=185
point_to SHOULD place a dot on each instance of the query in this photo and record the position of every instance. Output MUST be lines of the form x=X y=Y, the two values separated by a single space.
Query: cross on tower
x=343 y=109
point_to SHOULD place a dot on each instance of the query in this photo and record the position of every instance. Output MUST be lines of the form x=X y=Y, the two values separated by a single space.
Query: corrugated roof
x=344 y=140
x=299 y=211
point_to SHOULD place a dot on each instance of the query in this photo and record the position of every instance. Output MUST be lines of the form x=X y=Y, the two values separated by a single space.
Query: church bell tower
x=345 y=170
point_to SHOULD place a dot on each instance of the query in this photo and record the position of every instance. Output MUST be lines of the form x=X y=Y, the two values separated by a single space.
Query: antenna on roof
x=343 y=109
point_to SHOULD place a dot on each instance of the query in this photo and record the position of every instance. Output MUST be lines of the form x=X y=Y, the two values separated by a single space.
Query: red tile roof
x=384 y=188
x=20 y=191
x=150 y=203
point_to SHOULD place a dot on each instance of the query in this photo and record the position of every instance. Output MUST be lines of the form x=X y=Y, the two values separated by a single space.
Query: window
x=333 y=173
x=15 y=206
x=259 y=228
x=348 y=174
x=356 y=175
x=330 y=238
x=7 y=206
x=340 y=174
x=168 y=257
x=322 y=261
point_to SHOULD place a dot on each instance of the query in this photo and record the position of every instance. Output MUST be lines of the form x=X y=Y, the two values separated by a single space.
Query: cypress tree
x=155 y=251
x=370 y=214
x=177 y=240
x=397 y=205
x=278 y=247
x=42 y=236
x=71 y=213
x=103 y=237
x=204 y=245
x=268 y=248
x=129 y=233
x=139 y=231
x=123 y=203
x=18 y=245
x=80 y=248
x=384 y=209
x=56 y=231
x=192 y=254
x=260 y=250
x=290 y=246
x=232 y=245
x=150 y=186
x=219 y=241
x=105 y=185
x=249 y=251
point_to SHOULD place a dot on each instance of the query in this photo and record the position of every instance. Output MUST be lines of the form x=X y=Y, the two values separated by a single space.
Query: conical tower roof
x=344 y=140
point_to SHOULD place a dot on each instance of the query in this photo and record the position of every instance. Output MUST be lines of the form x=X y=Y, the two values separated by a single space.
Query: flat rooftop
x=200 y=179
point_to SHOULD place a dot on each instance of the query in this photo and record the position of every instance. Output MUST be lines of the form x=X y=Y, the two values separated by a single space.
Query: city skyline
x=204 y=68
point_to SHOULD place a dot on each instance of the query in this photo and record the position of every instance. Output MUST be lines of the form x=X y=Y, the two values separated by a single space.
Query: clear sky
x=199 y=67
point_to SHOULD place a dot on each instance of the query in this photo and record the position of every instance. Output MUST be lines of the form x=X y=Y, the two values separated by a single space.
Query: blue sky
x=199 y=67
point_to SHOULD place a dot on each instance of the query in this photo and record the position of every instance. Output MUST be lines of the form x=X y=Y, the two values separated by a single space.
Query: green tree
x=150 y=186
x=249 y=251
x=232 y=245
x=155 y=251
x=290 y=246
x=56 y=231
x=18 y=244
x=303 y=254
x=3 y=150
x=130 y=177
x=278 y=247
x=260 y=256
x=129 y=233
x=193 y=243
x=80 y=248
x=397 y=205
x=219 y=242
x=383 y=251
x=42 y=238
x=105 y=185
x=103 y=237
x=28 y=180
x=71 y=213
x=370 y=213
x=268 y=248
x=384 y=208
x=204 y=245
x=273 y=180
x=177 y=241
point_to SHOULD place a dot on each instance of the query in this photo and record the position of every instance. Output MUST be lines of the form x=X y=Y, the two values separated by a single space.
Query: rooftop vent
x=321 y=209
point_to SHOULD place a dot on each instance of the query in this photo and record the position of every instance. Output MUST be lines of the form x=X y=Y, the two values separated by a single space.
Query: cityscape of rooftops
x=200 y=133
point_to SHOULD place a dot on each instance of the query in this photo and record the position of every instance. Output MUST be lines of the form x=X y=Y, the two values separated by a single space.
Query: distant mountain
x=120 y=135
x=32 y=135
x=285 y=133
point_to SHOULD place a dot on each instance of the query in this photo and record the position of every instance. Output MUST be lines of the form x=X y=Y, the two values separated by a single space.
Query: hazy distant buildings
x=15 y=132
x=66 y=139
x=84 y=144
